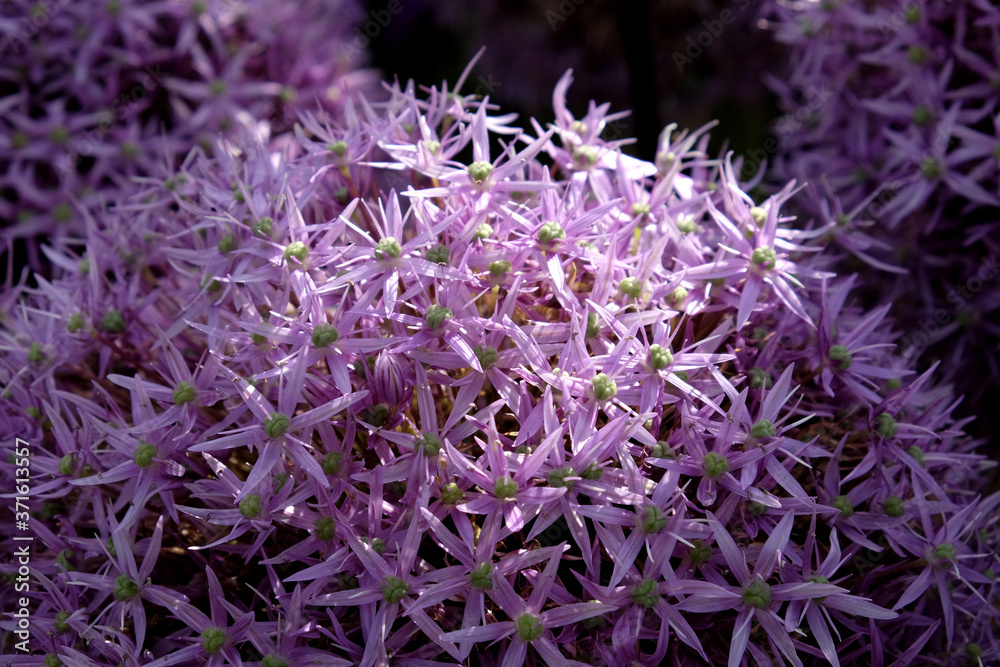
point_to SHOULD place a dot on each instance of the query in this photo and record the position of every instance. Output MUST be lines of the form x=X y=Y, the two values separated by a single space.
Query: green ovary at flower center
x=144 y=454
x=505 y=488
x=604 y=387
x=482 y=576
x=394 y=589
x=276 y=425
x=479 y=171
x=716 y=465
x=654 y=521
x=529 y=627
x=646 y=593
x=757 y=594
x=125 y=588
x=213 y=639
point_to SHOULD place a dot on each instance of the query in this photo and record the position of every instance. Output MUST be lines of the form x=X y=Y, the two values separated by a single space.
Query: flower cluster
x=94 y=93
x=891 y=116
x=425 y=386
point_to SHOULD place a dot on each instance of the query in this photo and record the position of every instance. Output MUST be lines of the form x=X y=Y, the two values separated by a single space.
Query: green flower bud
x=630 y=287
x=662 y=450
x=144 y=454
x=35 y=353
x=500 y=268
x=259 y=339
x=759 y=215
x=61 y=624
x=763 y=429
x=716 y=465
x=892 y=384
x=377 y=544
x=213 y=639
x=378 y=415
x=437 y=315
x=604 y=387
x=916 y=453
x=483 y=231
x=587 y=155
x=640 y=208
x=331 y=463
x=505 y=488
x=342 y=195
x=844 y=504
x=325 y=335
x=262 y=227
x=84 y=266
x=930 y=168
x=53 y=660
x=66 y=466
x=646 y=593
x=75 y=323
x=759 y=378
x=33 y=412
x=764 y=257
x=756 y=509
x=922 y=115
x=225 y=244
x=59 y=135
x=439 y=254
x=479 y=171
x=482 y=576
x=250 y=506
x=338 y=148
x=757 y=594
x=654 y=521
x=298 y=250
x=487 y=355
x=894 y=506
x=325 y=528
x=945 y=551
x=843 y=355
x=529 y=627
x=388 y=247
x=917 y=54
x=451 y=494
x=184 y=393
x=272 y=660
x=678 y=295
x=557 y=478
x=112 y=322
x=432 y=146
x=912 y=14
x=394 y=589
x=659 y=357
x=887 y=427
x=125 y=588
x=592 y=472
x=550 y=233
x=277 y=425
x=686 y=224
x=430 y=444
x=700 y=552
x=593 y=325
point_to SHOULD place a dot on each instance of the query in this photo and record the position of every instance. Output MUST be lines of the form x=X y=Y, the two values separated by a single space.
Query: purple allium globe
x=891 y=116
x=94 y=93
x=424 y=388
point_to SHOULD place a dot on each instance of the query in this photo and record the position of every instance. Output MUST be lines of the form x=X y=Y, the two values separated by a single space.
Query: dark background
x=635 y=54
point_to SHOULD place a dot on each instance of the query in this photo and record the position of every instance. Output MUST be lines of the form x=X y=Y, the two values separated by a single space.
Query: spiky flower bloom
x=891 y=117
x=351 y=400
x=148 y=82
